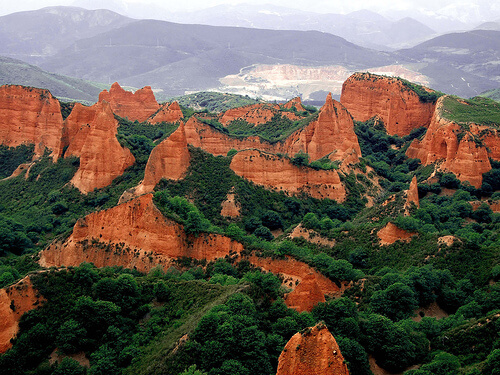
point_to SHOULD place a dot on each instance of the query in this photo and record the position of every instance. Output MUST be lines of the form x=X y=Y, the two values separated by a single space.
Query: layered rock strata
x=168 y=112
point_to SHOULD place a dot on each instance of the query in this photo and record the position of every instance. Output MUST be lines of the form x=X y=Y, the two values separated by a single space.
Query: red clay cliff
x=15 y=300
x=30 y=116
x=366 y=95
x=454 y=147
x=312 y=351
x=134 y=235
x=168 y=112
x=279 y=173
x=135 y=106
x=90 y=133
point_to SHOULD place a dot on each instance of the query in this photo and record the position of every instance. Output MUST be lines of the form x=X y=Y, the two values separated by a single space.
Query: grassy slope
x=478 y=110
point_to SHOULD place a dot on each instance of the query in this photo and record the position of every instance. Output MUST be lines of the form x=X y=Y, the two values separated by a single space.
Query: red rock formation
x=254 y=114
x=30 y=116
x=332 y=135
x=134 y=235
x=312 y=351
x=366 y=95
x=169 y=160
x=412 y=194
x=494 y=205
x=134 y=106
x=230 y=207
x=295 y=272
x=169 y=112
x=306 y=295
x=15 y=300
x=91 y=136
x=295 y=102
x=391 y=233
x=279 y=173
x=463 y=156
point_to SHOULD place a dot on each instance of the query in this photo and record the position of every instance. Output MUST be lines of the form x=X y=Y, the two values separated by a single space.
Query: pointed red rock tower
x=91 y=136
x=295 y=102
x=135 y=106
x=170 y=160
x=332 y=135
x=412 y=194
x=312 y=351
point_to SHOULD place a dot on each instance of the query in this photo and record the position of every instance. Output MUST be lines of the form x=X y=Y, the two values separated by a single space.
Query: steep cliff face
x=15 y=300
x=30 y=116
x=279 y=173
x=312 y=351
x=366 y=95
x=91 y=136
x=331 y=134
x=135 y=106
x=170 y=160
x=169 y=112
x=135 y=235
x=391 y=233
x=456 y=149
x=230 y=208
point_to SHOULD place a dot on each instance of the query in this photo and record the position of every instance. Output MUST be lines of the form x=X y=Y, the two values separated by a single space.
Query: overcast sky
x=458 y=9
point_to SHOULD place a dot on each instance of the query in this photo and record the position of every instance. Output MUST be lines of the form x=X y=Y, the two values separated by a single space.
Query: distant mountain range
x=103 y=46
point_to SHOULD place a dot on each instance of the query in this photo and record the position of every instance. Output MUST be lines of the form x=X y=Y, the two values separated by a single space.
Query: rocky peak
x=295 y=102
x=135 y=106
x=91 y=135
x=168 y=112
x=312 y=351
x=30 y=116
x=401 y=109
x=412 y=194
x=330 y=135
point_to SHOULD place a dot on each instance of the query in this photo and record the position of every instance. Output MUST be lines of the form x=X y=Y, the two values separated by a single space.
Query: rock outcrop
x=134 y=235
x=295 y=102
x=366 y=95
x=392 y=233
x=306 y=295
x=279 y=173
x=30 y=116
x=169 y=160
x=90 y=133
x=457 y=149
x=255 y=114
x=168 y=112
x=308 y=285
x=230 y=208
x=135 y=106
x=412 y=195
x=312 y=351
x=15 y=300
x=330 y=135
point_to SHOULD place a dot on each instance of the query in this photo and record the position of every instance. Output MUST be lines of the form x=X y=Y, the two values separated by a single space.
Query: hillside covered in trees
x=140 y=237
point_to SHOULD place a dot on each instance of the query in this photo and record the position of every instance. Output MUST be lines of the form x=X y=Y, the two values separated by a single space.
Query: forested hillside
x=148 y=238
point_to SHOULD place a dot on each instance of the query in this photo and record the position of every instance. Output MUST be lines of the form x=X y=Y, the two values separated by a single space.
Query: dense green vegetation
x=478 y=110
x=214 y=101
x=423 y=93
x=12 y=157
x=492 y=94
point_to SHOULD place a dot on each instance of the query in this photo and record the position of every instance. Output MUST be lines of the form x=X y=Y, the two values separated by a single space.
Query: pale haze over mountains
x=272 y=49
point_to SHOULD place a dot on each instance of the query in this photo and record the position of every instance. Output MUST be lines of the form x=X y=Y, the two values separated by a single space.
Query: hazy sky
x=455 y=8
